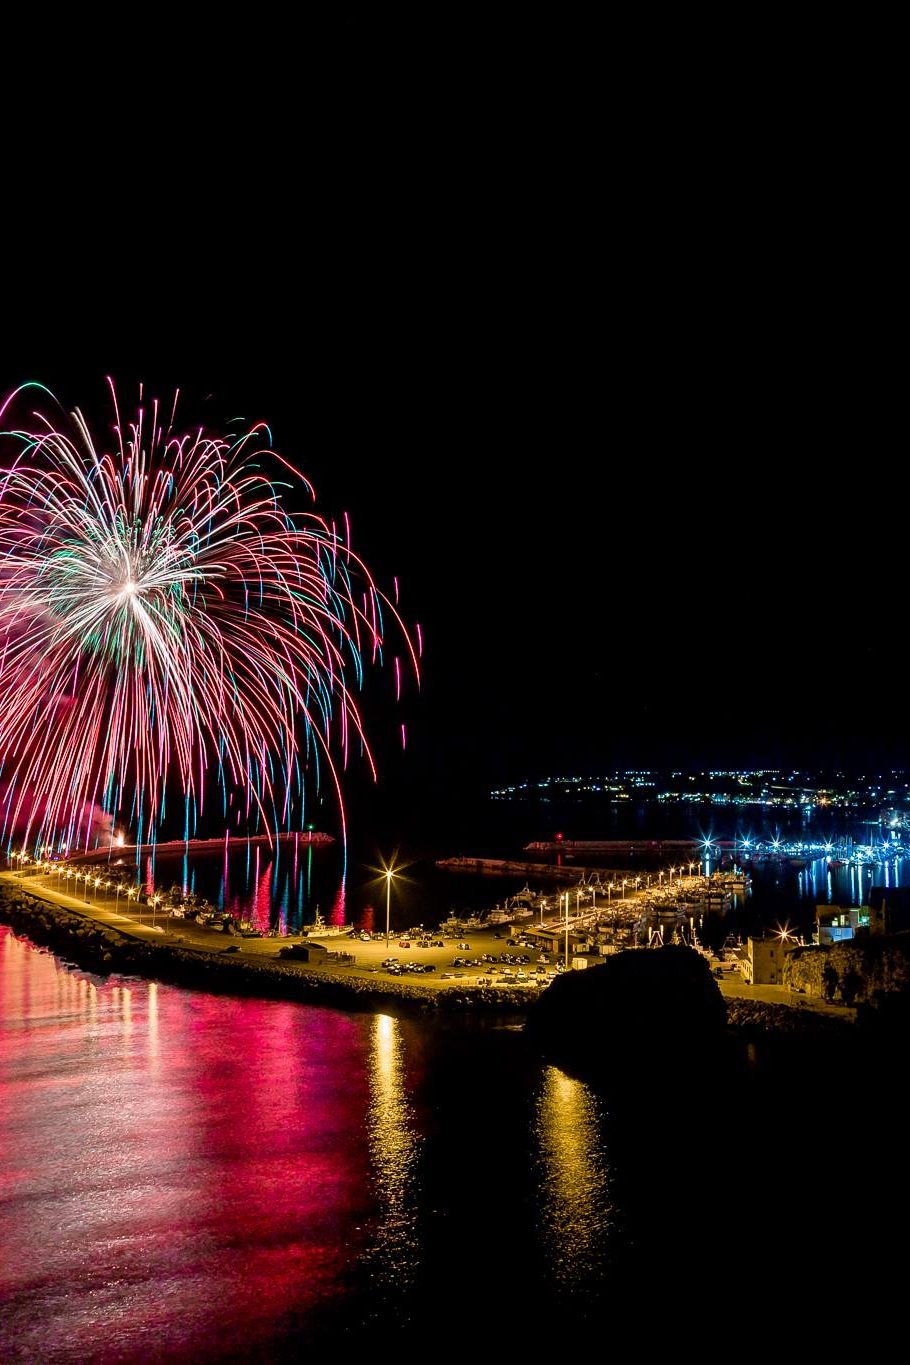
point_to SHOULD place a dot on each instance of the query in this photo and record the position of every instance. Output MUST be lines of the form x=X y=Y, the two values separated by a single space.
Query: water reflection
x=575 y=1208
x=394 y=1149
x=174 y=1168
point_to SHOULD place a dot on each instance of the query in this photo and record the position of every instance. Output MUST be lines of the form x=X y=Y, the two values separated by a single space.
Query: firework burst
x=163 y=617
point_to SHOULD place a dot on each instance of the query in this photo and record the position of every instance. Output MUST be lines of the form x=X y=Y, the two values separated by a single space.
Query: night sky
x=593 y=363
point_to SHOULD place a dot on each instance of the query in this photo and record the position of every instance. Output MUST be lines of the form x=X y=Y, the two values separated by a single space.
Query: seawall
x=101 y=948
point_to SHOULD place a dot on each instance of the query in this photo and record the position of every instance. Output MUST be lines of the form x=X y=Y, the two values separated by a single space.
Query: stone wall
x=858 y=972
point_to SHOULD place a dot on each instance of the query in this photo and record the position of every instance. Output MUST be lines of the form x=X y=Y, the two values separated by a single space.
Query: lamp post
x=567 y=930
x=388 y=873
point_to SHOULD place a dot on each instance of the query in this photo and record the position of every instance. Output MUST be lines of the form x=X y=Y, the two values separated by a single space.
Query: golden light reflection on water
x=575 y=1212
x=394 y=1146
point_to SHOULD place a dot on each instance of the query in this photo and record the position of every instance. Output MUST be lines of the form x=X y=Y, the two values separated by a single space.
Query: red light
x=559 y=838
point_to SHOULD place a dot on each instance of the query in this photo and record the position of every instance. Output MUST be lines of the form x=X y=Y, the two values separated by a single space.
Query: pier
x=507 y=867
x=181 y=846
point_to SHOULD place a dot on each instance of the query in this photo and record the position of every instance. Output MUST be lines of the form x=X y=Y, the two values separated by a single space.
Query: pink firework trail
x=165 y=618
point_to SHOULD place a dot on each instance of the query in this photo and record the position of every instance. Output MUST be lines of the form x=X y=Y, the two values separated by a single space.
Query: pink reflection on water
x=261 y=902
x=179 y=1173
x=337 y=912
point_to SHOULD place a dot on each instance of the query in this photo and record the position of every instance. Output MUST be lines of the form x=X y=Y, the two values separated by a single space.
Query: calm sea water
x=189 y=1177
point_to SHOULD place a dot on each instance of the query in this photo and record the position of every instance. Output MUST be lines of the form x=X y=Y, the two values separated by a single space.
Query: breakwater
x=103 y=949
x=510 y=867
x=113 y=852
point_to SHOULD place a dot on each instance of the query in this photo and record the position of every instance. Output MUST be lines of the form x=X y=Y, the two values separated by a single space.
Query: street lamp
x=389 y=874
x=567 y=930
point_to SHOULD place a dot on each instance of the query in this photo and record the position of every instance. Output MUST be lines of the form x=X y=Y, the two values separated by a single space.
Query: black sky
x=591 y=345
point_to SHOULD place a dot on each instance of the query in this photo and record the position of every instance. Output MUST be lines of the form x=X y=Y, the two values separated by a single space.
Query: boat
x=319 y=928
x=461 y=922
x=499 y=916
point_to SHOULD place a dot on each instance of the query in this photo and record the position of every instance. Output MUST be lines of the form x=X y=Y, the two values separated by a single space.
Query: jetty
x=508 y=867
x=182 y=846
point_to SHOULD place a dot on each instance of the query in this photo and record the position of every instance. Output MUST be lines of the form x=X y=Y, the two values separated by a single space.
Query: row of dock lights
x=93 y=881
